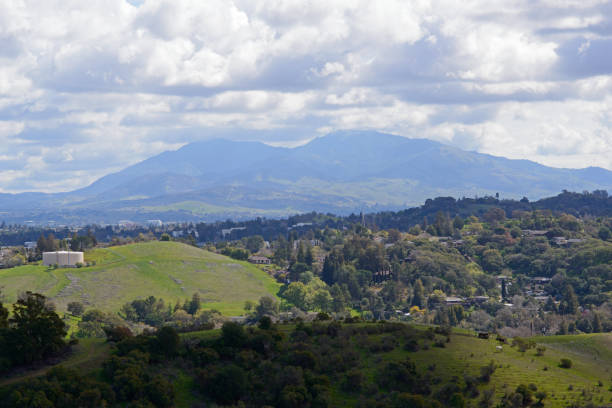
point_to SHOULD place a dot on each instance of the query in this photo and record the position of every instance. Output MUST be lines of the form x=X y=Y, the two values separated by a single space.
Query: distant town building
x=228 y=231
x=155 y=223
x=534 y=233
x=260 y=260
x=63 y=258
x=453 y=300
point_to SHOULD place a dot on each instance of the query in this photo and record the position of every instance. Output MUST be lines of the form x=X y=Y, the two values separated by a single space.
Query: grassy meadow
x=168 y=270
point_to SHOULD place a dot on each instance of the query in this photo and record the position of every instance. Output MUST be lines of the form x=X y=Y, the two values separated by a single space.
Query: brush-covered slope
x=366 y=348
x=169 y=270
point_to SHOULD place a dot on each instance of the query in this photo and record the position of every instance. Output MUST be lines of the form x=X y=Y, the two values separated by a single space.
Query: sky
x=90 y=87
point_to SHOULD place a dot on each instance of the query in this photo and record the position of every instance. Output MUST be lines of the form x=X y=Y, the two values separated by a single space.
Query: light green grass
x=169 y=270
x=589 y=353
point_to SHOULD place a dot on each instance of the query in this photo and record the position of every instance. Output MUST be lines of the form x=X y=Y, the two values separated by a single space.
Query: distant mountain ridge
x=342 y=172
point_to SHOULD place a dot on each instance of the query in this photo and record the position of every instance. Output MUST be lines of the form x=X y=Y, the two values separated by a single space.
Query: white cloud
x=79 y=79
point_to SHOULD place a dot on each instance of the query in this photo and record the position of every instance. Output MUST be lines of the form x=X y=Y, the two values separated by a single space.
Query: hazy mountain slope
x=342 y=172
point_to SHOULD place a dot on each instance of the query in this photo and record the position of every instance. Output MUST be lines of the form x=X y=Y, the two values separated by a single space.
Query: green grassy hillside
x=167 y=270
x=590 y=354
x=464 y=355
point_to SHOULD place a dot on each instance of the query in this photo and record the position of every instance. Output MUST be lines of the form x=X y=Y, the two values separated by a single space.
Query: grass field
x=591 y=355
x=170 y=270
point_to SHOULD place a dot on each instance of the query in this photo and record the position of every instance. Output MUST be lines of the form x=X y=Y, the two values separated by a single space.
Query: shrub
x=540 y=350
x=353 y=381
x=117 y=333
x=76 y=308
x=265 y=323
x=487 y=371
x=321 y=316
x=565 y=363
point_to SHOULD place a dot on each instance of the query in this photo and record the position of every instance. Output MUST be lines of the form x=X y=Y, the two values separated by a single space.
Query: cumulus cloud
x=90 y=87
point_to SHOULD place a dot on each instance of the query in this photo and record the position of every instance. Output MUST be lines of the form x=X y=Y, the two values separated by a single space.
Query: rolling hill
x=168 y=270
x=587 y=381
x=341 y=173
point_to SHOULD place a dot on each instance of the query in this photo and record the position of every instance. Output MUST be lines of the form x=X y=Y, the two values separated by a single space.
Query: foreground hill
x=341 y=173
x=167 y=270
x=364 y=364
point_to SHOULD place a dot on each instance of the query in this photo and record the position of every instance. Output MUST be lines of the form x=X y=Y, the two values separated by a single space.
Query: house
x=477 y=300
x=29 y=245
x=540 y=280
x=228 y=231
x=453 y=300
x=559 y=241
x=259 y=260
x=534 y=233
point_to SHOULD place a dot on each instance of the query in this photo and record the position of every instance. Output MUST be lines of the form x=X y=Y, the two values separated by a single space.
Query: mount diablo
x=341 y=173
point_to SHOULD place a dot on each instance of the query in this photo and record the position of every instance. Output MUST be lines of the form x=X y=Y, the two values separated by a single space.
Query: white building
x=63 y=258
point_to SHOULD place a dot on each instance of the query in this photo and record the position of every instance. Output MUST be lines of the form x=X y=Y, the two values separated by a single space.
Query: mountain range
x=342 y=172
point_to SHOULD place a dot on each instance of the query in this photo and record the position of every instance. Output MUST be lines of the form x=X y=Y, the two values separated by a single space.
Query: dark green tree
x=597 y=326
x=604 y=233
x=569 y=305
x=194 y=305
x=36 y=330
x=76 y=308
x=418 y=298
x=254 y=243
x=3 y=316
x=168 y=340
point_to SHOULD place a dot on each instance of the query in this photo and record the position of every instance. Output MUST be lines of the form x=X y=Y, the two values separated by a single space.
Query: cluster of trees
x=381 y=272
x=32 y=333
x=130 y=376
x=155 y=312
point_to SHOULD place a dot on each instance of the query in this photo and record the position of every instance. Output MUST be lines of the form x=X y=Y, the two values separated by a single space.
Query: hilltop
x=340 y=173
x=167 y=270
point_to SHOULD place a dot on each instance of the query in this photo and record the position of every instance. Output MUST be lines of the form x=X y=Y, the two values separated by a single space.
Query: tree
x=604 y=233
x=194 y=304
x=267 y=306
x=37 y=331
x=254 y=243
x=233 y=335
x=394 y=235
x=249 y=305
x=168 y=340
x=296 y=293
x=3 y=316
x=226 y=384
x=76 y=308
x=492 y=260
x=165 y=237
x=418 y=298
x=569 y=305
x=308 y=256
x=494 y=215
x=597 y=326
x=458 y=223
x=322 y=300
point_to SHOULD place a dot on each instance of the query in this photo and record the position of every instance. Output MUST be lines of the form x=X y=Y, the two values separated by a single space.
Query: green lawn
x=170 y=270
